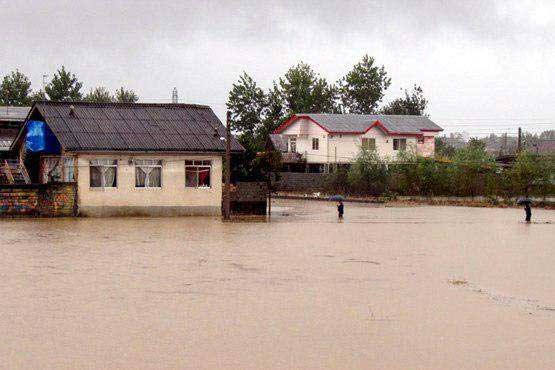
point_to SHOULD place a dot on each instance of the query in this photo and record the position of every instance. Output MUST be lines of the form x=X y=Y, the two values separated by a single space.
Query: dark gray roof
x=355 y=123
x=13 y=114
x=134 y=127
x=279 y=142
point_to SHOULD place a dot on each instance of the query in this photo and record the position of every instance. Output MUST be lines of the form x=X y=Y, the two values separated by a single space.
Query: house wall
x=344 y=148
x=172 y=199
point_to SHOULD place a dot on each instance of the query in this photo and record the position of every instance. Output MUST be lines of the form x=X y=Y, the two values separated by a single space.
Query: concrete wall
x=344 y=148
x=51 y=200
x=297 y=181
x=172 y=199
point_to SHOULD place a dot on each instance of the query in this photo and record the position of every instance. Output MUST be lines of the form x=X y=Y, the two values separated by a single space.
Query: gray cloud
x=485 y=59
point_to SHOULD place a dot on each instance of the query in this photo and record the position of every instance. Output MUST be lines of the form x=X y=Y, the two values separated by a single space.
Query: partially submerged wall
x=48 y=200
x=249 y=198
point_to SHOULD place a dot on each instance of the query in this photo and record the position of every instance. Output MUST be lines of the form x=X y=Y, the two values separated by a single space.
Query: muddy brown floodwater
x=396 y=288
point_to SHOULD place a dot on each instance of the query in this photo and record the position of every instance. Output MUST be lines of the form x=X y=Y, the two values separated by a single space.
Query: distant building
x=128 y=159
x=11 y=120
x=321 y=140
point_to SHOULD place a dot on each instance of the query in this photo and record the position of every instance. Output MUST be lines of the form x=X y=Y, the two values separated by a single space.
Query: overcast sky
x=479 y=62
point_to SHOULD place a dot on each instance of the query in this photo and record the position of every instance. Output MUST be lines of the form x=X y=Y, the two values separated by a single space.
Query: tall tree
x=126 y=96
x=246 y=103
x=64 y=87
x=363 y=87
x=274 y=114
x=15 y=89
x=303 y=91
x=99 y=95
x=413 y=103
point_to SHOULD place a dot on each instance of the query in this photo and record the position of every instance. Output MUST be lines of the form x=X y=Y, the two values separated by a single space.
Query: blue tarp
x=41 y=139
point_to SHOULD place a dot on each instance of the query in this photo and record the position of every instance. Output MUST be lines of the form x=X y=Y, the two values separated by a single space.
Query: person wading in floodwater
x=340 y=209
x=526 y=202
x=528 y=211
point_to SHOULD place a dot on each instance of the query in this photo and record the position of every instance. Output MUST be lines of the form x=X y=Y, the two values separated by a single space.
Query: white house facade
x=324 y=139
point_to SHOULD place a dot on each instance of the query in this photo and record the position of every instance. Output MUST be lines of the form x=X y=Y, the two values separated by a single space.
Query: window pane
x=140 y=177
x=315 y=144
x=96 y=176
x=155 y=178
x=395 y=144
x=403 y=144
x=191 y=177
x=69 y=170
x=110 y=177
x=204 y=177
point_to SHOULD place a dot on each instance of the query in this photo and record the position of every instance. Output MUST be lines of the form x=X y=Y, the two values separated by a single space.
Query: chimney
x=71 y=111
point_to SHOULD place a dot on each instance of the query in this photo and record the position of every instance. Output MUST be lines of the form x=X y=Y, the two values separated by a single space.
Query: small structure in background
x=126 y=159
x=314 y=142
x=11 y=121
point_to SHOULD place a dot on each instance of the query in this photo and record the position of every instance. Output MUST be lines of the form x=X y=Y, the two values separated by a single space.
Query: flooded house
x=313 y=142
x=126 y=159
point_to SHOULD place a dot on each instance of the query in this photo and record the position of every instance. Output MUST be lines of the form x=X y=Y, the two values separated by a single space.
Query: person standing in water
x=528 y=211
x=340 y=209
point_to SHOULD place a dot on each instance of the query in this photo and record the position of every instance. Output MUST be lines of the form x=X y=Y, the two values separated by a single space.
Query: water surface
x=406 y=287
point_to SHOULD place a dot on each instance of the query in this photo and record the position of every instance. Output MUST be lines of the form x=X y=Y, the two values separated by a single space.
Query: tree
x=411 y=104
x=64 y=86
x=38 y=96
x=363 y=87
x=531 y=171
x=99 y=95
x=15 y=89
x=303 y=91
x=369 y=173
x=246 y=103
x=125 y=96
x=473 y=165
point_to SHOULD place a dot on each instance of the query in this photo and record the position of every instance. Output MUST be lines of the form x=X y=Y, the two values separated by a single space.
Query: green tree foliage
x=303 y=91
x=531 y=171
x=413 y=103
x=369 y=174
x=125 y=96
x=15 y=89
x=99 y=95
x=246 y=103
x=363 y=88
x=64 y=87
x=472 y=167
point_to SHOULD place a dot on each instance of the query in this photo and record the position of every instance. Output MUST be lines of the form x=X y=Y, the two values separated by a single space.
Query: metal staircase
x=13 y=171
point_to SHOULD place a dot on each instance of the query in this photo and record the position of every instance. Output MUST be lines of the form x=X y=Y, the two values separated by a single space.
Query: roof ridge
x=116 y=104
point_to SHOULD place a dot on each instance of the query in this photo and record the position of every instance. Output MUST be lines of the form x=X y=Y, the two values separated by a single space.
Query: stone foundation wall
x=47 y=200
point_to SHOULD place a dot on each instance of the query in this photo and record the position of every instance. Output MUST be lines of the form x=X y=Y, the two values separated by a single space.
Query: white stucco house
x=320 y=140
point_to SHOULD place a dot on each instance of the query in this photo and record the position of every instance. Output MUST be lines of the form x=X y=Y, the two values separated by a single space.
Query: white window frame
x=399 y=141
x=104 y=163
x=293 y=144
x=198 y=165
x=149 y=164
x=367 y=140
x=316 y=141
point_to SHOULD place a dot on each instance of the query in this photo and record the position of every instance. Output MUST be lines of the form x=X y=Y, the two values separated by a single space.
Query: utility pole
x=519 y=143
x=227 y=195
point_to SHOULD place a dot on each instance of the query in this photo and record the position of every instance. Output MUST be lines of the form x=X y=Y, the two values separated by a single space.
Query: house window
x=197 y=174
x=148 y=173
x=293 y=145
x=399 y=144
x=315 y=143
x=103 y=173
x=420 y=140
x=58 y=169
x=368 y=143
